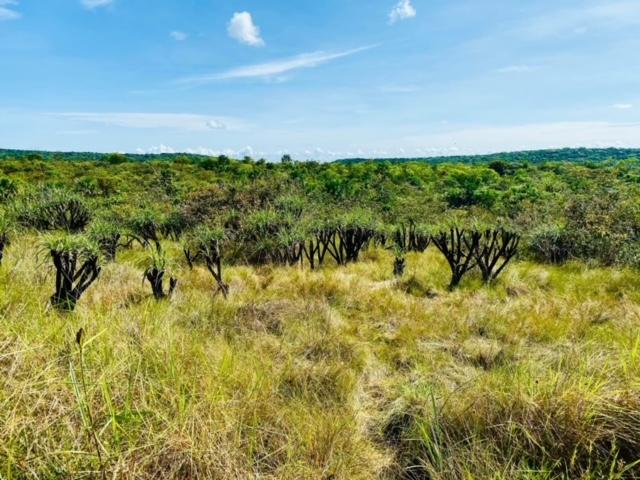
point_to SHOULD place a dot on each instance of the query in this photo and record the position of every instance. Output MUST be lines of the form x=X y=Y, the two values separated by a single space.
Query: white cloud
x=179 y=36
x=622 y=106
x=6 y=10
x=91 y=4
x=277 y=67
x=158 y=149
x=402 y=11
x=242 y=29
x=175 y=121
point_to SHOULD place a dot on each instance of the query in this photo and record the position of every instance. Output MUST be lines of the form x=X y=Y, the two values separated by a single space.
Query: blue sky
x=319 y=79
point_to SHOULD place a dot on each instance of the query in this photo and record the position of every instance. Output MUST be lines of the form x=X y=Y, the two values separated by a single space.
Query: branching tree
x=406 y=239
x=155 y=274
x=459 y=248
x=205 y=244
x=495 y=251
x=107 y=236
x=76 y=262
x=54 y=210
x=145 y=228
x=347 y=237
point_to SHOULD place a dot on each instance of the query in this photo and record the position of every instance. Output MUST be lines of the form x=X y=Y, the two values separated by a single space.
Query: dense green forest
x=586 y=210
x=574 y=155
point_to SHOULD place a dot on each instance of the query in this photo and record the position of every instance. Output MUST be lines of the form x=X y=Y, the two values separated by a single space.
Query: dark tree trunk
x=459 y=248
x=72 y=283
x=496 y=250
x=399 y=266
x=156 y=278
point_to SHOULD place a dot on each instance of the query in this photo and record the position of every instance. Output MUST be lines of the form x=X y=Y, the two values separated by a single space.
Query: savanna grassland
x=256 y=365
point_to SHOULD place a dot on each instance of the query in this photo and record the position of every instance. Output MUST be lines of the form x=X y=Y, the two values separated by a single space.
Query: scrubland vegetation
x=212 y=318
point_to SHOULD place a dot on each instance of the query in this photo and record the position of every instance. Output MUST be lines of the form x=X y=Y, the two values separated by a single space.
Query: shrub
x=599 y=225
x=54 y=210
x=145 y=227
x=107 y=236
x=75 y=259
x=496 y=249
x=460 y=249
x=8 y=189
x=205 y=244
x=550 y=243
x=345 y=237
x=155 y=272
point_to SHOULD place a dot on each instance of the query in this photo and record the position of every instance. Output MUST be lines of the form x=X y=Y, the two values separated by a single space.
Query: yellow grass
x=343 y=373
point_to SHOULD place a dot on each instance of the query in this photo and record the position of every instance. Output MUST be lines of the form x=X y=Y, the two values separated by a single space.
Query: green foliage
x=53 y=210
x=8 y=189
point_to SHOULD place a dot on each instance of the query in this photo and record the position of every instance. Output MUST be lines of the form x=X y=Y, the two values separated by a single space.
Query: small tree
x=155 y=274
x=205 y=244
x=145 y=228
x=346 y=237
x=75 y=259
x=54 y=210
x=495 y=251
x=459 y=248
x=107 y=236
x=406 y=239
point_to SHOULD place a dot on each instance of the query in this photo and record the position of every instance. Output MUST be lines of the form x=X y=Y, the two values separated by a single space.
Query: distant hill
x=574 y=155
x=92 y=156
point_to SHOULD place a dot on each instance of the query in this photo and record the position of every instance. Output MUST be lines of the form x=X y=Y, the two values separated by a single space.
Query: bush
x=75 y=259
x=206 y=244
x=550 y=244
x=8 y=189
x=155 y=271
x=107 y=236
x=54 y=210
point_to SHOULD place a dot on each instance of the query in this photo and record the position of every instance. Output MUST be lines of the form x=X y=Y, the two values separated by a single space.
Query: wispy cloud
x=175 y=121
x=622 y=106
x=242 y=29
x=7 y=11
x=402 y=11
x=277 y=67
x=91 y=4
x=179 y=36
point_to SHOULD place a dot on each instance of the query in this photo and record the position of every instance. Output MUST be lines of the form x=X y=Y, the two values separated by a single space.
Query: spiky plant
x=206 y=244
x=408 y=237
x=107 y=236
x=347 y=235
x=496 y=249
x=145 y=228
x=54 y=210
x=76 y=261
x=460 y=249
x=155 y=271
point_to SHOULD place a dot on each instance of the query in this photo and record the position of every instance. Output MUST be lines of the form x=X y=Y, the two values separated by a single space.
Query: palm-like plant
x=155 y=271
x=76 y=260
x=107 y=236
x=206 y=244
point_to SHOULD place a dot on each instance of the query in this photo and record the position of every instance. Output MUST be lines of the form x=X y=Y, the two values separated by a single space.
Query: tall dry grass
x=342 y=373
